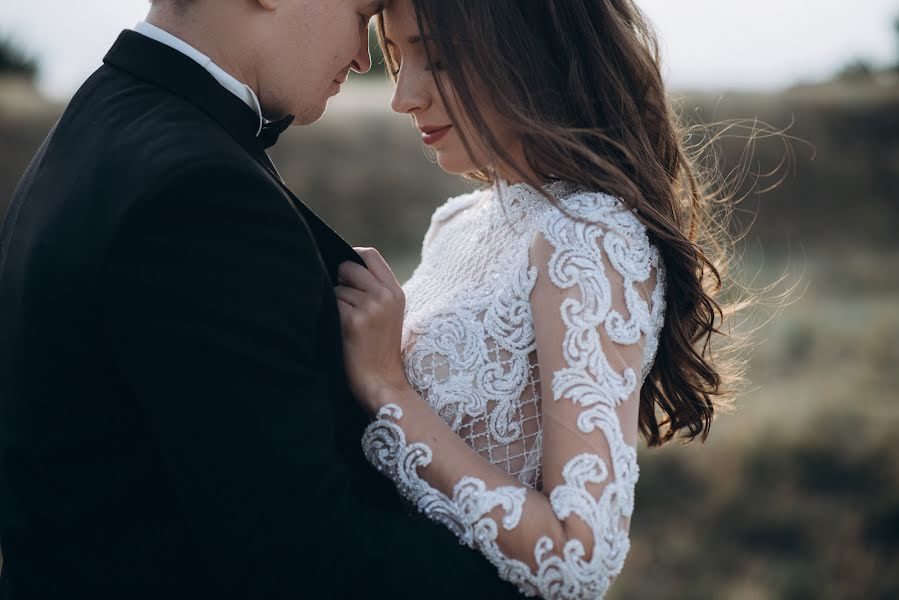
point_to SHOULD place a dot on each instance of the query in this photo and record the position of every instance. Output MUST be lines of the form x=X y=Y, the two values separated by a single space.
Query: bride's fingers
x=351 y=296
x=356 y=276
x=378 y=266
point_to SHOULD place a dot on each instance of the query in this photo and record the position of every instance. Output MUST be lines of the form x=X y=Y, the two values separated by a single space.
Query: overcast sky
x=762 y=44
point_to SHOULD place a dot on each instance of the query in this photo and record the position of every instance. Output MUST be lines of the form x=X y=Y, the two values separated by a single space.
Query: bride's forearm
x=422 y=425
x=452 y=460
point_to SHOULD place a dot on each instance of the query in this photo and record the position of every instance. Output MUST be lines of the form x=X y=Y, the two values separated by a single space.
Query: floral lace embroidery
x=468 y=339
x=385 y=446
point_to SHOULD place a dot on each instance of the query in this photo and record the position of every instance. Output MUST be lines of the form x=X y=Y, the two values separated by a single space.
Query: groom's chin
x=311 y=114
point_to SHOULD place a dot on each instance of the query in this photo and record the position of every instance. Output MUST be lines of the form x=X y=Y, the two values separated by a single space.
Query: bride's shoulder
x=597 y=209
x=445 y=212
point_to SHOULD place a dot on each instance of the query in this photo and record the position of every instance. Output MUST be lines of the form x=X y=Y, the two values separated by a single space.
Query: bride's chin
x=453 y=165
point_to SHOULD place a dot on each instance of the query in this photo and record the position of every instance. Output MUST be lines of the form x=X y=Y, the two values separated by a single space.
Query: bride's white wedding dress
x=530 y=334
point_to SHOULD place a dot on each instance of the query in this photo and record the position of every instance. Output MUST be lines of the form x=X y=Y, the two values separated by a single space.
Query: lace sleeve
x=596 y=306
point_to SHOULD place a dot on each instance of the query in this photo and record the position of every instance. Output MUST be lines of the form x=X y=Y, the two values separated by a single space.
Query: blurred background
x=795 y=493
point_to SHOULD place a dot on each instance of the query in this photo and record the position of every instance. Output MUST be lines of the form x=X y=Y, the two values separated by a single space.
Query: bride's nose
x=412 y=93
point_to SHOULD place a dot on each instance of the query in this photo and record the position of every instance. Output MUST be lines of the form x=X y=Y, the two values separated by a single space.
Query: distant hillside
x=364 y=170
x=20 y=97
x=368 y=176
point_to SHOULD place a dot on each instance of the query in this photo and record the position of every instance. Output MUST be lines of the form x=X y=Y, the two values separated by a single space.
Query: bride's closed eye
x=434 y=66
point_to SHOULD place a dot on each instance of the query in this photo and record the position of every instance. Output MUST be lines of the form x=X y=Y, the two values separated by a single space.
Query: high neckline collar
x=517 y=198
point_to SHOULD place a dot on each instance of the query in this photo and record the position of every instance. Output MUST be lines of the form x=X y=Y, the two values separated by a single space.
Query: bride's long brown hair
x=580 y=82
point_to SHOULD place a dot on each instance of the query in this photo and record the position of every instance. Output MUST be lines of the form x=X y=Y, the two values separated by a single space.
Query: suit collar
x=168 y=68
x=228 y=81
x=165 y=67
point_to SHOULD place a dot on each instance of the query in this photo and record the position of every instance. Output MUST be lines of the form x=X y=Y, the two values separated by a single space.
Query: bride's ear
x=268 y=4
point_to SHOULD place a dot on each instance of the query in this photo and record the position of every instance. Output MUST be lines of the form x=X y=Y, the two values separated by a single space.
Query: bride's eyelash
x=434 y=66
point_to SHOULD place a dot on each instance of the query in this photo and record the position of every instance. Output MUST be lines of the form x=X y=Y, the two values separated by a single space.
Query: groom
x=174 y=418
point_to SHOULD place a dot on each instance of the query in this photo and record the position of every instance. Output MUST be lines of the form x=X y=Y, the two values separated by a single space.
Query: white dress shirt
x=241 y=90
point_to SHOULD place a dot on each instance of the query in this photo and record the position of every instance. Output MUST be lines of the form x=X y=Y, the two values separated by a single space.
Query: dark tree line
x=14 y=60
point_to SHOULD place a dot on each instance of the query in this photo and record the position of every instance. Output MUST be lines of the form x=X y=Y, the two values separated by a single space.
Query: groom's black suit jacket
x=174 y=417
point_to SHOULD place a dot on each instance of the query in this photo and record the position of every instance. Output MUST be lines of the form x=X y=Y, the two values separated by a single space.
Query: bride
x=555 y=308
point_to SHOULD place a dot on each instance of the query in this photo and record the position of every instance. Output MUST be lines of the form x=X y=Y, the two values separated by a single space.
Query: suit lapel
x=334 y=249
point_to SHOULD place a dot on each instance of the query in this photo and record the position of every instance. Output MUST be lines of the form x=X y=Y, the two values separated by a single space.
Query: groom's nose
x=362 y=61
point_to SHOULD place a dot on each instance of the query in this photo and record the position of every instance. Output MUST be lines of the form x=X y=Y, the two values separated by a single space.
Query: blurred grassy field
x=794 y=495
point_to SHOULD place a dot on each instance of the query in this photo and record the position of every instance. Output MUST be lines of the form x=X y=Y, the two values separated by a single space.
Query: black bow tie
x=271 y=131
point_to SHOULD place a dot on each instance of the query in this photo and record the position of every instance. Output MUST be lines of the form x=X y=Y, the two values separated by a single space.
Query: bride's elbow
x=613 y=548
x=555 y=541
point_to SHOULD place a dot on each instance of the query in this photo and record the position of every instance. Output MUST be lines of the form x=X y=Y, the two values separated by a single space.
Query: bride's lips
x=432 y=135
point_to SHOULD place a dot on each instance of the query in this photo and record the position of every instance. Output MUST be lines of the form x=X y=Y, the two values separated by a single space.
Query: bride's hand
x=371 y=304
